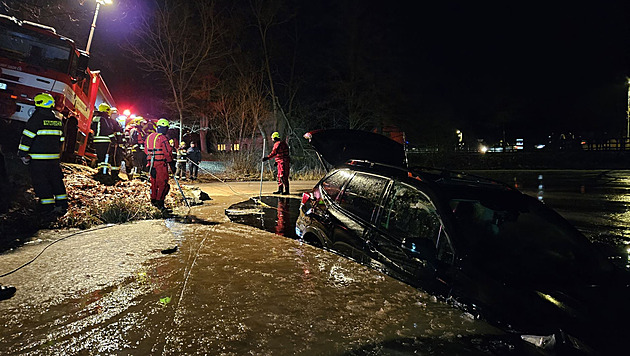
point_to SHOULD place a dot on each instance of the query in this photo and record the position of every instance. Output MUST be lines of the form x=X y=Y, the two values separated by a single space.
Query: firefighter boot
x=286 y=189
x=154 y=202
x=279 y=191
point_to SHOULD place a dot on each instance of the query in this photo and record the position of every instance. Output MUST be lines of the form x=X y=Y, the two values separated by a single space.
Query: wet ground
x=233 y=289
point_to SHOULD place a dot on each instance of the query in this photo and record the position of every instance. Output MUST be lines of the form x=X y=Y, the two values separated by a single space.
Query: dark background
x=491 y=69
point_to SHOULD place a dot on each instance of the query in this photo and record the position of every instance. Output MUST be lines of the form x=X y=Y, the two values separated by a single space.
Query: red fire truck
x=35 y=59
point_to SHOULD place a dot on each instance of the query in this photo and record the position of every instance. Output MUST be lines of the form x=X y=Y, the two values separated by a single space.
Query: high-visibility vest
x=158 y=149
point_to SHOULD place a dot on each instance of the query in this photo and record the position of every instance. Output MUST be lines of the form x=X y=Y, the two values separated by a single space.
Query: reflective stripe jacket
x=158 y=148
x=103 y=131
x=181 y=155
x=280 y=151
x=117 y=131
x=42 y=136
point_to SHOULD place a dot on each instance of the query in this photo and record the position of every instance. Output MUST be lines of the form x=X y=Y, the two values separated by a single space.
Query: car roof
x=445 y=179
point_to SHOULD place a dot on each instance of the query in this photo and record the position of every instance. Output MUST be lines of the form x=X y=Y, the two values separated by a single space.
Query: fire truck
x=35 y=59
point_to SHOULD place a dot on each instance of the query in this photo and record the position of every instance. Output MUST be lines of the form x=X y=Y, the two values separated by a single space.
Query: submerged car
x=497 y=253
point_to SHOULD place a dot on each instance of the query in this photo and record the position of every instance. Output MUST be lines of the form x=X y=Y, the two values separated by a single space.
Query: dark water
x=595 y=202
x=277 y=214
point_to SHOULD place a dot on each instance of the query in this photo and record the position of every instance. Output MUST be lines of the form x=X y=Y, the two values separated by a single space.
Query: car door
x=317 y=217
x=409 y=236
x=356 y=207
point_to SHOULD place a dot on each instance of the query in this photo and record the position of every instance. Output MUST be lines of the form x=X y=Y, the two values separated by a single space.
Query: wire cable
x=259 y=201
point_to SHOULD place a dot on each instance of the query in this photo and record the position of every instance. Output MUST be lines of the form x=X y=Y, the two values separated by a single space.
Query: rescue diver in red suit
x=281 y=153
x=159 y=157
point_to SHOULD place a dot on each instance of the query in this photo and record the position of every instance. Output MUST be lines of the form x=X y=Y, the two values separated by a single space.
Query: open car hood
x=337 y=146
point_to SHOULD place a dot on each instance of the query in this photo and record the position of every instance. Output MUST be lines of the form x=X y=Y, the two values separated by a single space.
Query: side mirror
x=82 y=65
x=422 y=248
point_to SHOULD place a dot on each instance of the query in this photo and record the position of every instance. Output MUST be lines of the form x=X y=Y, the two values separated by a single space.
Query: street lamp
x=98 y=6
x=628 y=113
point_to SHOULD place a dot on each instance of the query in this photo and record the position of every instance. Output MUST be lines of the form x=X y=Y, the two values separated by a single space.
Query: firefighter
x=137 y=151
x=281 y=153
x=40 y=148
x=103 y=135
x=138 y=138
x=159 y=158
x=115 y=148
x=182 y=154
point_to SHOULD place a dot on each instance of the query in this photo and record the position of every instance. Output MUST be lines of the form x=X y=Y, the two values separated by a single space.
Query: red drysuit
x=159 y=155
x=281 y=153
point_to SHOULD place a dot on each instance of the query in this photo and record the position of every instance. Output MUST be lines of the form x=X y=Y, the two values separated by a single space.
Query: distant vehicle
x=486 y=247
x=35 y=59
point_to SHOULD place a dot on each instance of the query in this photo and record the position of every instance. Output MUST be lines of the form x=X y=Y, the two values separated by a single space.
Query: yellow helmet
x=103 y=107
x=163 y=122
x=275 y=135
x=44 y=100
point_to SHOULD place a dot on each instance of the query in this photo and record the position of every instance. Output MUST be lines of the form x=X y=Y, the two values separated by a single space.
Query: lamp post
x=98 y=6
x=628 y=113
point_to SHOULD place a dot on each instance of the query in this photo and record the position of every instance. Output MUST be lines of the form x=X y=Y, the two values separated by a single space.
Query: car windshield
x=516 y=237
x=31 y=49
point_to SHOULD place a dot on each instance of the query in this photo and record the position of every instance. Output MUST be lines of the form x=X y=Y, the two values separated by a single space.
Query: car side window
x=333 y=184
x=410 y=215
x=363 y=194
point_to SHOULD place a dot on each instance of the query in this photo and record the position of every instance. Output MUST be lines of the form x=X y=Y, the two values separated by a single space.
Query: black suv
x=485 y=246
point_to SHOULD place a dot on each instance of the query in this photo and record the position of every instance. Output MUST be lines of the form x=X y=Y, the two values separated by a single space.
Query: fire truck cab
x=35 y=59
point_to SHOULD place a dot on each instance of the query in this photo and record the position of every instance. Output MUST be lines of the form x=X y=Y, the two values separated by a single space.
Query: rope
x=257 y=201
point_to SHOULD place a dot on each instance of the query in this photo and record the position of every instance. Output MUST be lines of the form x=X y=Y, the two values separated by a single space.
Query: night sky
x=528 y=68
x=524 y=68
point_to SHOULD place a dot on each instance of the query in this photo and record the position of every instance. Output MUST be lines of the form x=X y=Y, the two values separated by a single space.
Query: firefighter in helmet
x=116 y=147
x=159 y=158
x=137 y=138
x=103 y=137
x=281 y=153
x=40 y=148
x=180 y=171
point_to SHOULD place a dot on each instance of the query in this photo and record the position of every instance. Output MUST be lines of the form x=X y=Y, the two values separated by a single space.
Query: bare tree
x=176 y=42
x=253 y=108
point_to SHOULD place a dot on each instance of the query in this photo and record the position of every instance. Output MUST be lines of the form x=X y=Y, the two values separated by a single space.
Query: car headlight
x=547 y=342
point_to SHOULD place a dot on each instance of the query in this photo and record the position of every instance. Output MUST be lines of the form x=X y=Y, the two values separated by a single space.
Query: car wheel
x=313 y=239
